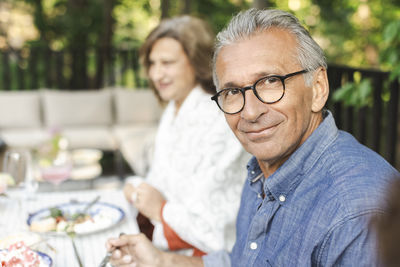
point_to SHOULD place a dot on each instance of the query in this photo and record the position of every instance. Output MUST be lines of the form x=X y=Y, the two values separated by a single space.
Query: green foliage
x=226 y=9
x=133 y=21
x=63 y=23
x=356 y=94
x=391 y=55
x=350 y=32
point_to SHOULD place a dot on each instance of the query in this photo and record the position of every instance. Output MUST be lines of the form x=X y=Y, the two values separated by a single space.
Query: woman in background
x=192 y=191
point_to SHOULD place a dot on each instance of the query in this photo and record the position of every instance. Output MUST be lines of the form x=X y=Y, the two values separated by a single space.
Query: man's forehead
x=269 y=52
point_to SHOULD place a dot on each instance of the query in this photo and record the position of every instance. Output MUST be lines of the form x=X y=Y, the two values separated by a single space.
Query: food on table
x=60 y=221
x=20 y=255
x=44 y=225
x=28 y=238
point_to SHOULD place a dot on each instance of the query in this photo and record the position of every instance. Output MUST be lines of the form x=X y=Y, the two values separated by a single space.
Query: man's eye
x=232 y=92
x=270 y=80
x=227 y=94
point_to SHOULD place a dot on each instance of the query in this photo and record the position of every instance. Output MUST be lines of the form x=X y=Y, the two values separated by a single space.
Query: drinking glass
x=18 y=164
x=58 y=170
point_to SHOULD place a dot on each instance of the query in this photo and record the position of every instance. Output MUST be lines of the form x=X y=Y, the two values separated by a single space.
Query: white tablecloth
x=91 y=247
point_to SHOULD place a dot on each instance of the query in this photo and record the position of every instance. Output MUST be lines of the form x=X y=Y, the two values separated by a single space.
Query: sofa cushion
x=90 y=137
x=24 y=137
x=77 y=108
x=19 y=109
x=135 y=106
x=123 y=132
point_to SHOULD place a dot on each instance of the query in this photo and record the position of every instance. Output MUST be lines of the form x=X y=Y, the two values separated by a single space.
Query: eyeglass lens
x=269 y=90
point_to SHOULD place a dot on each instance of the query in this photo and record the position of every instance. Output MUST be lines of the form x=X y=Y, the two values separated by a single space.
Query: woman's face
x=170 y=70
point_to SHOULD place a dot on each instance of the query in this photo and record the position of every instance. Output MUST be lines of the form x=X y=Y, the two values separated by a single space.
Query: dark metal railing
x=376 y=126
x=73 y=69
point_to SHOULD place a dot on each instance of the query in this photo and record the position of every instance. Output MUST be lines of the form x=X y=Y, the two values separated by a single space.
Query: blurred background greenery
x=350 y=31
x=353 y=33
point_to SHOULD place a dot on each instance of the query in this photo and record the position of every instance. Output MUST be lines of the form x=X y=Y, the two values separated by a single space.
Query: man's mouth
x=260 y=133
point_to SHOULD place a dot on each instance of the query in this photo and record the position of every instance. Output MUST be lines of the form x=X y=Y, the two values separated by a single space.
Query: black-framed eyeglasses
x=269 y=89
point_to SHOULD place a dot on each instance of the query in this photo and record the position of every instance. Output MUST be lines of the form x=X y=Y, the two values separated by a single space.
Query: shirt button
x=282 y=198
x=253 y=245
x=259 y=195
x=252 y=172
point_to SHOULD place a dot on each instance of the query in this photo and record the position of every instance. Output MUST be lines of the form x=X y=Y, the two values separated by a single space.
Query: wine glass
x=58 y=170
x=18 y=164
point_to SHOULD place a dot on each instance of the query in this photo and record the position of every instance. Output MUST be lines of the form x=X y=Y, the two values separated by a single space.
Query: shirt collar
x=288 y=176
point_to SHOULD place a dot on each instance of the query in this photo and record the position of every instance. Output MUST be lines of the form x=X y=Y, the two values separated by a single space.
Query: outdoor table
x=91 y=247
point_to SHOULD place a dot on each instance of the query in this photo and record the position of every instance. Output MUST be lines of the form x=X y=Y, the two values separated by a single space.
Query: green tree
x=390 y=56
x=74 y=25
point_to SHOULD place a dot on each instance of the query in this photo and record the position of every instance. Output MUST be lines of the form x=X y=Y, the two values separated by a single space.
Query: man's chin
x=262 y=150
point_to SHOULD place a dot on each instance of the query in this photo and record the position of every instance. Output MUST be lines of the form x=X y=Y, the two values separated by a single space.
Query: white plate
x=45 y=259
x=111 y=215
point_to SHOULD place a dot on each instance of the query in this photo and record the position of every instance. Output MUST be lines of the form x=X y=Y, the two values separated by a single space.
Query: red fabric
x=173 y=239
x=145 y=226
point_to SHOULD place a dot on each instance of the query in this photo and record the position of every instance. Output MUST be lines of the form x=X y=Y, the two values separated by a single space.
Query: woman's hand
x=149 y=201
x=128 y=191
x=133 y=250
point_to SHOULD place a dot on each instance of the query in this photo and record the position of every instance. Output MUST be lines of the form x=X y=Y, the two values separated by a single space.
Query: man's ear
x=320 y=89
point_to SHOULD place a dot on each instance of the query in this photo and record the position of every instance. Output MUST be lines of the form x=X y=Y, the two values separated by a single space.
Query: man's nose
x=253 y=107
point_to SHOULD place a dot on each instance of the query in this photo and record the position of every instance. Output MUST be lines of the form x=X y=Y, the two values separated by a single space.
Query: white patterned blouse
x=200 y=167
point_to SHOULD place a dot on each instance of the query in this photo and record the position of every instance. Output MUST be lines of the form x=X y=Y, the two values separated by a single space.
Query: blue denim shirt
x=317 y=206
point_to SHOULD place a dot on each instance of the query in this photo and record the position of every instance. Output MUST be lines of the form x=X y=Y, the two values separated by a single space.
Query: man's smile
x=261 y=133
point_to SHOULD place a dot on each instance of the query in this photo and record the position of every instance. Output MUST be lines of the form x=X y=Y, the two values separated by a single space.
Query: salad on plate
x=74 y=218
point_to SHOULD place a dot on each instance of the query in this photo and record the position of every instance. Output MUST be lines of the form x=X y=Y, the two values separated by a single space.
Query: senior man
x=311 y=189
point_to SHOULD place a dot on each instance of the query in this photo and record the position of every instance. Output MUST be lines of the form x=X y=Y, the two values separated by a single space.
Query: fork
x=71 y=235
x=106 y=258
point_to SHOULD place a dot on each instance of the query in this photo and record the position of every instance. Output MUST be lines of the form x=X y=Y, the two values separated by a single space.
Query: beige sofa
x=111 y=119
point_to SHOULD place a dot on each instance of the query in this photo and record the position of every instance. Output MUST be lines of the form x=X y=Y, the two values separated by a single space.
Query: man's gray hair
x=253 y=21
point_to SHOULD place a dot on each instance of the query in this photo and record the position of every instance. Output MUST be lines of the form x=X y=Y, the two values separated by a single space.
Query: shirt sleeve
x=351 y=242
x=217 y=259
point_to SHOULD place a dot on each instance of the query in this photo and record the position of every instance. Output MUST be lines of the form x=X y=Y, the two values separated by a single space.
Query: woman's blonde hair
x=197 y=40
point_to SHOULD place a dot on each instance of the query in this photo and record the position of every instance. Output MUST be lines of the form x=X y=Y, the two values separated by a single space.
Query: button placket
x=258 y=228
x=253 y=246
